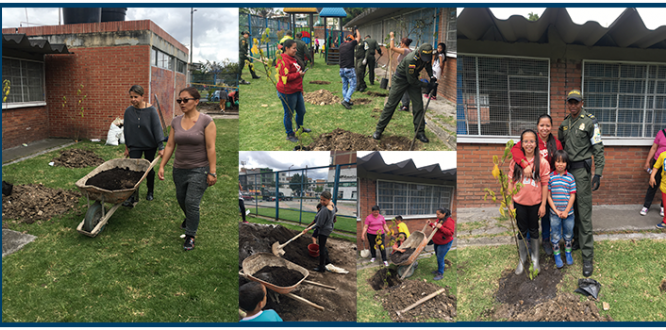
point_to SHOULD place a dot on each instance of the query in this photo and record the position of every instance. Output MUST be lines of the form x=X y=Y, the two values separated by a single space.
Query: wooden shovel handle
x=295 y=297
x=293 y=238
x=319 y=284
x=421 y=301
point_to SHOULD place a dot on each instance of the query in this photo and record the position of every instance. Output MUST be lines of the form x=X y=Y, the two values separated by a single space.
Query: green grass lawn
x=342 y=223
x=370 y=308
x=261 y=113
x=136 y=269
x=296 y=227
x=629 y=272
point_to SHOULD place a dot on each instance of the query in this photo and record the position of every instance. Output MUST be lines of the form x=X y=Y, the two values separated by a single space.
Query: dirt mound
x=371 y=93
x=340 y=304
x=341 y=139
x=662 y=287
x=33 y=202
x=280 y=276
x=441 y=307
x=115 y=179
x=77 y=158
x=321 y=97
x=565 y=307
x=361 y=101
x=384 y=278
x=519 y=290
x=400 y=257
x=320 y=82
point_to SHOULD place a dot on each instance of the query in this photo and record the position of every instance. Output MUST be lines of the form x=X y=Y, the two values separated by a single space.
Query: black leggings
x=527 y=218
x=371 y=240
x=323 y=251
x=649 y=195
x=149 y=154
x=241 y=204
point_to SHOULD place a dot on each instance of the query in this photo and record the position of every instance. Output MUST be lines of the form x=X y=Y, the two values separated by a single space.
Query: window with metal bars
x=501 y=96
x=628 y=99
x=26 y=80
x=404 y=198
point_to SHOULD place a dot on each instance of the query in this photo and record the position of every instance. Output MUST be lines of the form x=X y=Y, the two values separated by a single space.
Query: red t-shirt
x=294 y=80
x=445 y=232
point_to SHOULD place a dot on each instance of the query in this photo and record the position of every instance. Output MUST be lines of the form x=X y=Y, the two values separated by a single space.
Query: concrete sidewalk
x=481 y=226
x=17 y=154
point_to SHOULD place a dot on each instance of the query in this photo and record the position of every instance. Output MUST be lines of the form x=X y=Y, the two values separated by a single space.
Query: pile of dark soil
x=320 y=82
x=280 y=276
x=399 y=257
x=441 y=307
x=340 y=305
x=563 y=308
x=361 y=101
x=371 y=93
x=662 y=287
x=77 y=158
x=384 y=278
x=29 y=203
x=321 y=97
x=519 y=290
x=341 y=139
x=115 y=179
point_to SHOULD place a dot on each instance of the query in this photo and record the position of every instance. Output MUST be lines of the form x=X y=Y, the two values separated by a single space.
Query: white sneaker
x=662 y=211
x=385 y=263
x=644 y=211
x=372 y=260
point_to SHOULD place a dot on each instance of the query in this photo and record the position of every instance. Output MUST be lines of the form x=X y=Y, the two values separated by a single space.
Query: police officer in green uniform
x=301 y=48
x=242 y=57
x=360 y=67
x=406 y=79
x=581 y=138
x=370 y=46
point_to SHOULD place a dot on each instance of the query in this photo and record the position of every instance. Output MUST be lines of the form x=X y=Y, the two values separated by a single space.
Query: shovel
x=277 y=248
x=424 y=110
x=164 y=126
x=434 y=230
x=384 y=83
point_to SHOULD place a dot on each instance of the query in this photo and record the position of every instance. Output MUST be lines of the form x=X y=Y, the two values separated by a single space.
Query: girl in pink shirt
x=530 y=201
x=375 y=225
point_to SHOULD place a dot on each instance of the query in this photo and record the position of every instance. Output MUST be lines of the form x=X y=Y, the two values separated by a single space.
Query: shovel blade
x=278 y=251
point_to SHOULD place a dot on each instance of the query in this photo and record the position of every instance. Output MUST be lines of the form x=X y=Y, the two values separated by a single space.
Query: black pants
x=241 y=204
x=323 y=251
x=528 y=219
x=150 y=156
x=371 y=240
x=371 y=69
x=649 y=195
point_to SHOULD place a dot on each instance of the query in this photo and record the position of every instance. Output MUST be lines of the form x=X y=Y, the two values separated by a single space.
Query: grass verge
x=342 y=223
x=296 y=227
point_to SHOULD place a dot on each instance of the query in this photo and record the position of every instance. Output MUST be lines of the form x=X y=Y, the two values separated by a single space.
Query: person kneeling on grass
x=396 y=247
x=252 y=299
x=443 y=239
x=561 y=197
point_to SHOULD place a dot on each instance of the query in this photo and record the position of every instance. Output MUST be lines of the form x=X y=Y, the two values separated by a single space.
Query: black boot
x=377 y=135
x=421 y=137
x=149 y=196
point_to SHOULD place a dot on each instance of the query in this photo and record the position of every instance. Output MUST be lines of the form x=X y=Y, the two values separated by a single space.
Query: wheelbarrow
x=417 y=241
x=97 y=216
x=252 y=264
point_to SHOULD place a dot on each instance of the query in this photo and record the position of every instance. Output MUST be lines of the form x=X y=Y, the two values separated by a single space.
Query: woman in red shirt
x=443 y=239
x=548 y=144
x=290 y=88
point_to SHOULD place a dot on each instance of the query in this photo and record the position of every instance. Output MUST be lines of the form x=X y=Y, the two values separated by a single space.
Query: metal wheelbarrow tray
x=417 y=240
x=97 y=217
x=257 y=261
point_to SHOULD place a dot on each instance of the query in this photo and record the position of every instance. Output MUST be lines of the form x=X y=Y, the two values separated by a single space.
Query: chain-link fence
x=419 y=25
x=293 y=196
x=257 y=25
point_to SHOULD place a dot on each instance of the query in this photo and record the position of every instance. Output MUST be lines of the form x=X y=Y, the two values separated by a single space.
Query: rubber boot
x=535 y=254
x=522 y=251
x=557 y=256
x=547 y=247
x=567 y=252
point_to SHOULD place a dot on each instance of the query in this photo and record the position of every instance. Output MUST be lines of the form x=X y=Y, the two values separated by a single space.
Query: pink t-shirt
x=660 y=141
x=375 y=224
x=530 y=193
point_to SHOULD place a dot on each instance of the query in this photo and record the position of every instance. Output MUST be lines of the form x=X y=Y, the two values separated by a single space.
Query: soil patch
x=563 y=308
x=320 y=82
x=77 y=158
x=519 y=290
x=400 y=257
x=442 y=306
x=29 y=203
x=361 y=101
x=115 y=179
x=385 y=277
x=341 y=139
x=662 y=287
x=340 y=305
x=280 y=276
x=371 y=93
x=321 y=97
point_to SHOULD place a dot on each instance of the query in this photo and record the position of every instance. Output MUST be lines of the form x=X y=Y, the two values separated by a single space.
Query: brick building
x=107 y=59
x=422 y=25
x=403 y=189
x=511 y=71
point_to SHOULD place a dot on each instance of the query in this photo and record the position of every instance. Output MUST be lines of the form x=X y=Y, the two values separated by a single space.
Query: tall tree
x=295 y=184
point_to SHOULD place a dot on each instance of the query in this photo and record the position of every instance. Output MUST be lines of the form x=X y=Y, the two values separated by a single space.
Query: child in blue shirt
x=252 y=298
x=561 y=196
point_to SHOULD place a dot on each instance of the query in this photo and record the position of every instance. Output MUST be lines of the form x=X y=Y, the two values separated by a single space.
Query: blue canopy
x=333 y=12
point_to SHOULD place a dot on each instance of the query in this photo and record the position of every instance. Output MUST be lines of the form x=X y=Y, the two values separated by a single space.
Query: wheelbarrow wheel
x=93 y=217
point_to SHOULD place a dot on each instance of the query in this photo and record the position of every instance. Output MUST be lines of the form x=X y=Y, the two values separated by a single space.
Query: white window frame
x=414 y=216
x=30 y=104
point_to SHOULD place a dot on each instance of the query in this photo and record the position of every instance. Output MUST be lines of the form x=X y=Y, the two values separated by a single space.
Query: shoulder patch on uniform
x=412 y=66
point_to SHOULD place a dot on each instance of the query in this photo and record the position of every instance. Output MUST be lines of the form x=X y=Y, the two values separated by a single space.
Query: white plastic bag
x=115 y=134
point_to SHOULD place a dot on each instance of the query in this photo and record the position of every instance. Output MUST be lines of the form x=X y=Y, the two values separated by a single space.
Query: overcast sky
x=652 y=17
x=282 y=160
x=215 y=29
x=445 y=159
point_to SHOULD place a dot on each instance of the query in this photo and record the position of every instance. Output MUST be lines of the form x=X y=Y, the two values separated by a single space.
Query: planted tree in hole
x=6 y=86
x=274 y=77
x=505 y=198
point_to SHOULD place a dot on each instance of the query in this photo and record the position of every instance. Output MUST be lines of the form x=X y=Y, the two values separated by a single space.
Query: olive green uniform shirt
x=581 y=138
x=410 y=68
x=370 y=47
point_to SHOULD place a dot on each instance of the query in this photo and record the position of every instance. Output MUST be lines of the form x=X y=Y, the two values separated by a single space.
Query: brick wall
x=107 y=74
x=24 y=125
x=162 y=84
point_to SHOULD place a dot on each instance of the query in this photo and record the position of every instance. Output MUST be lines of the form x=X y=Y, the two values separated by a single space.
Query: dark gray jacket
x=142 y=129
x=324 y=221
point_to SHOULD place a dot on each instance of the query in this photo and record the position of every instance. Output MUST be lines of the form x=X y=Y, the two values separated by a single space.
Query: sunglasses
x=185 y=100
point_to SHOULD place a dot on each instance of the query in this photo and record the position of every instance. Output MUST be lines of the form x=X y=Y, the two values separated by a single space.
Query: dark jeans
x=323 y=251
x=190 y=187
x=527 y=218
x=440 y=253
x=149 y=154
x=649 y=195
x=241 y=204
x=371 y=240
x=297 y=106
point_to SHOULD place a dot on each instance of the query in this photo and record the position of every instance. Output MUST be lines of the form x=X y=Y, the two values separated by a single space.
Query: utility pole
x=189 y=68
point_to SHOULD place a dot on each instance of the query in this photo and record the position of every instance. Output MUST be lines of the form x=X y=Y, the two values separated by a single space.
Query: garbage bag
x=115 y=134
x=588 y=287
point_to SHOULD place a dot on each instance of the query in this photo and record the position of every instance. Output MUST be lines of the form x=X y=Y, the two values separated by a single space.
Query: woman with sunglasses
x=290 y=89
x=194 y=166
